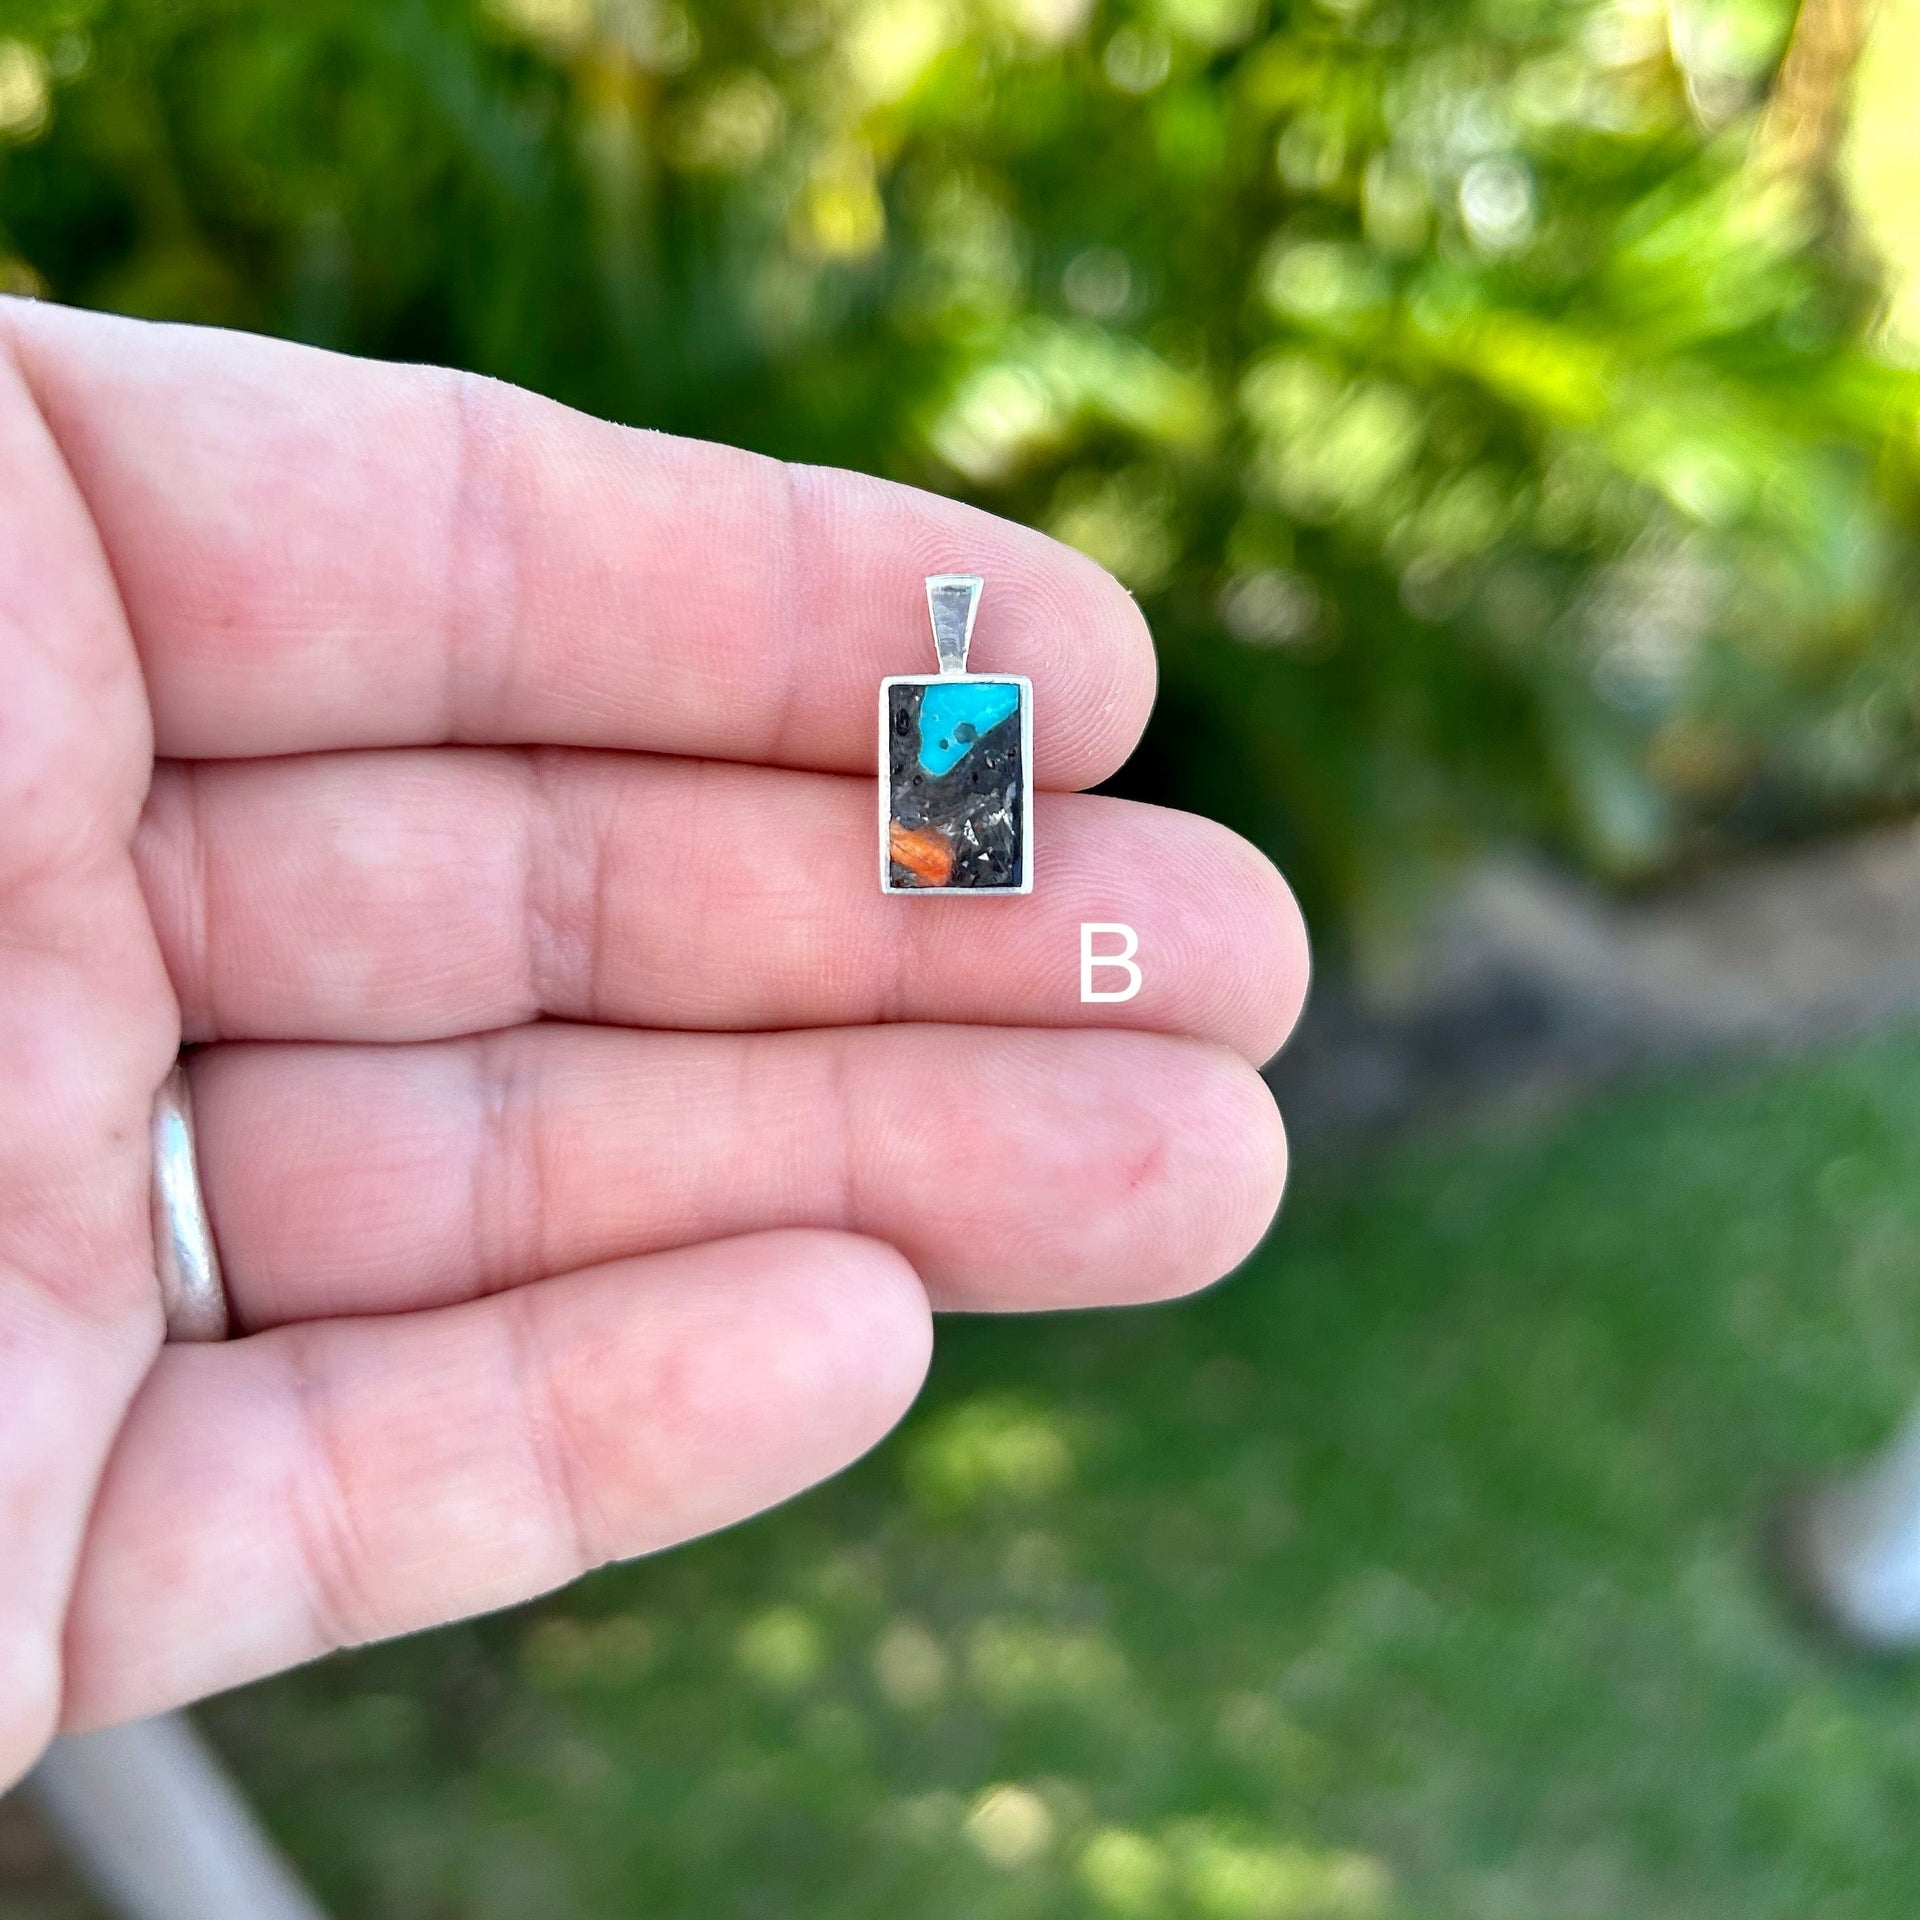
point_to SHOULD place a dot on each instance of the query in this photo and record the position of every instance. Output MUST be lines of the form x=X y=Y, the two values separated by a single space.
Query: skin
x=488 y=791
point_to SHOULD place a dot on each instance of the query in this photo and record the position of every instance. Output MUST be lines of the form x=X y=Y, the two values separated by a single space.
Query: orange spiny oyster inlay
x=923 y=852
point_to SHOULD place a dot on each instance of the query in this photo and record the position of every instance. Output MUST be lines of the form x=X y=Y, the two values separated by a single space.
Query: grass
x=1411 y=1576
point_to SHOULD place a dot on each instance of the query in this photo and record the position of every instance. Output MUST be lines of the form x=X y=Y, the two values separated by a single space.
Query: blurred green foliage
x=1496 y=438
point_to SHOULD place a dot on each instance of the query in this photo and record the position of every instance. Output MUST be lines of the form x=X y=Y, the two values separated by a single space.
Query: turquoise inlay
x=952 y=718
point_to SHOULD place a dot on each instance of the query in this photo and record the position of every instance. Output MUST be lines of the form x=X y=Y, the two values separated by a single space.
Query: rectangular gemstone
x=955 y=762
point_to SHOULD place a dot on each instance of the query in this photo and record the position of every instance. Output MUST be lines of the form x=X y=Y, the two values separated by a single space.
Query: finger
x=319 y=552
x=1013 y=1169
x=356 y=1479
x=405 y=896
x=87 y=1031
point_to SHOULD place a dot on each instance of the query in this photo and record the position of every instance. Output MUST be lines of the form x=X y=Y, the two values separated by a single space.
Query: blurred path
x=1525 y=983
x=152 y=1823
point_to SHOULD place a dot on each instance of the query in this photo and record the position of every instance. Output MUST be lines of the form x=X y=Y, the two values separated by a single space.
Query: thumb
x=87 y=1031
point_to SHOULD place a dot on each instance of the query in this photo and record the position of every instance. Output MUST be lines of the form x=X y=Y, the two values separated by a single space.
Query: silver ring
x=192 y=1293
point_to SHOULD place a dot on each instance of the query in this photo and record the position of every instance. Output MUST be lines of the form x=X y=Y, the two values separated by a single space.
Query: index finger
x=318 y=552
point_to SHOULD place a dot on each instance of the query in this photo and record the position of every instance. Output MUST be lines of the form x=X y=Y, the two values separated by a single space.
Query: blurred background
x=1508 y=414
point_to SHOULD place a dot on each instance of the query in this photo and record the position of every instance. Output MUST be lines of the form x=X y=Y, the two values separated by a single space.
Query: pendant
x=956 y=764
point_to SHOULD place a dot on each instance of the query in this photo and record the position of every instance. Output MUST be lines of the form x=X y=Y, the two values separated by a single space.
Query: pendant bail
x=952 y=601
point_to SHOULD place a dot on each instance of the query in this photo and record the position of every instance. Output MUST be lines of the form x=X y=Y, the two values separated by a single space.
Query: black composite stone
x=968 y=817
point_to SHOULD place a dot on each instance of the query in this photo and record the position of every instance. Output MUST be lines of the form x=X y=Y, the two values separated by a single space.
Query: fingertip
x=1149 y=1167
x=1255 y=940
x=1256 y=1155
x=869 y=1315
x=1223 y=1171
x=1099 y=672
x=1283 y=978
x=819 y=1343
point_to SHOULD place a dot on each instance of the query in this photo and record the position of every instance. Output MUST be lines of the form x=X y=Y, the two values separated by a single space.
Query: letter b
x=1124 y=960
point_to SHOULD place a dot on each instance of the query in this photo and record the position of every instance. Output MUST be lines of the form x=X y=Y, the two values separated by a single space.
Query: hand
x=491 y=791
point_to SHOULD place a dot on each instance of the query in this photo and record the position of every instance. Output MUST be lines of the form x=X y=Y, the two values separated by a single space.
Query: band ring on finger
x=193 y=1295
